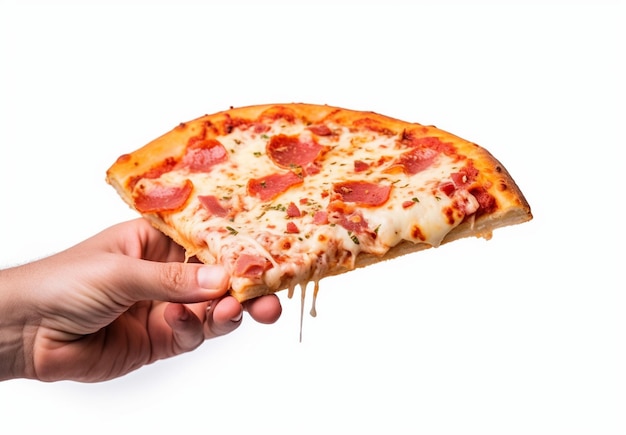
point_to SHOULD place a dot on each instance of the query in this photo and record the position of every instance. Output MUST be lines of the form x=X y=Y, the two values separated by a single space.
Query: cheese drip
x=313 y=311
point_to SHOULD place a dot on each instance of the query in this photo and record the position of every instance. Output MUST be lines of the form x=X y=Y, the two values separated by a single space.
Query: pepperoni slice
x=363 y=193
x=423 y=150
x=487 y=203
x=447 y=187
x=213 y=205
x=292 y=228
x=153 y=197
x=231 y=123
x=320 y=217
x=251 y=266
x=346 y=216
x=270 y=186
x=320 y=129
x=413 y=139
x=417 y=159
x=203 y=155
x=360 y=166
x=465 y=176
x=293 y=210
x=289 y=151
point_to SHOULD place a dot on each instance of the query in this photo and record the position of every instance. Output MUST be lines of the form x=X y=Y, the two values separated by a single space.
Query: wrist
x=14 y=327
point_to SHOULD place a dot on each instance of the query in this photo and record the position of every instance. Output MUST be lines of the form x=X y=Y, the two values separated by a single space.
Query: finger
x=173 y=282
x=264 y=309
x=187 y=329
x=223 y=316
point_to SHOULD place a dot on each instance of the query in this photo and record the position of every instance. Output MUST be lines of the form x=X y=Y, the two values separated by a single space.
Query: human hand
x=111 y=304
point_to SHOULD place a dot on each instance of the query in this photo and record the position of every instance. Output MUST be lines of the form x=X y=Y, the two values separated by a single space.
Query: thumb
x=172 y=282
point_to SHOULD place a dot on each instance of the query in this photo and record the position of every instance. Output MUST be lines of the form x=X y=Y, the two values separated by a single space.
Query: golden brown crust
x=512 y=208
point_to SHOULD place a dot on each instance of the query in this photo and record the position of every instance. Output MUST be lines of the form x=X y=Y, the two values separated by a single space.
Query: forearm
x=15 y=332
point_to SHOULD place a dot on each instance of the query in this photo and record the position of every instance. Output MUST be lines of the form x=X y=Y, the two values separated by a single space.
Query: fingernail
x=212 y=277
x=238 y=317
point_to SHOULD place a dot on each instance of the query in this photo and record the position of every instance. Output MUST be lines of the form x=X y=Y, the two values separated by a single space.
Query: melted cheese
x=415 y=210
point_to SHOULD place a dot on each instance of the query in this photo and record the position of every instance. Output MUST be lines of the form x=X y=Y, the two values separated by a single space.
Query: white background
x=524 y=334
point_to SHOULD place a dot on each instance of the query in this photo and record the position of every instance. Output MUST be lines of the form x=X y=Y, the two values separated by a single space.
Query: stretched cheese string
x=290 y=290
x=303 y=286
x=302 y=297
x=313 y=312
x=316 y=289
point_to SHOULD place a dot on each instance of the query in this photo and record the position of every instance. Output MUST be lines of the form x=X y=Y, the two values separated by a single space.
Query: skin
x=111 y=304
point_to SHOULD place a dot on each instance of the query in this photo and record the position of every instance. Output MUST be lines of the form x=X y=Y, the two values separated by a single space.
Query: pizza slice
x=287 y=194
